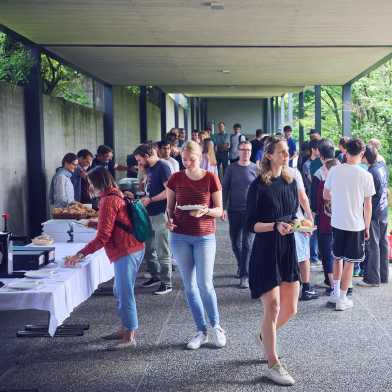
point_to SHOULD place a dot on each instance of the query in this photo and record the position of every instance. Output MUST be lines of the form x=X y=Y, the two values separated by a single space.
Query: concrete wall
x=68 y=128
x=13 y=167
x=153 y=122
x=169 y=113
x=126 y=124
x=247 y=112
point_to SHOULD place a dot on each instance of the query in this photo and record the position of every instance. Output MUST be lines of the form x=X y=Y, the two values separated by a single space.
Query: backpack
x=138 y=215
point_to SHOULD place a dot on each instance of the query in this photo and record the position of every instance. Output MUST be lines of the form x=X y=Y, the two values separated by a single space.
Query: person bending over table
x=122 y=249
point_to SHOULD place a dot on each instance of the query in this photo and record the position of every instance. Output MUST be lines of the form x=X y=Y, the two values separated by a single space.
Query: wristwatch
x=80 y=255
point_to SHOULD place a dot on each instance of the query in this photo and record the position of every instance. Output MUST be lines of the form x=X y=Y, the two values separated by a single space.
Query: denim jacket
x=61 y=192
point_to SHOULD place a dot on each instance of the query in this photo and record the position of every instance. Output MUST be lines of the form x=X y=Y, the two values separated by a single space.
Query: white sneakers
x=279 y=375
x=344 y=304
x=218 y=337
x=201 y=338
x=197 y=341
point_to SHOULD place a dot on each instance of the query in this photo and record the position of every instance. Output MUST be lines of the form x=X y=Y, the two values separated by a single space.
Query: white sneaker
x=218 y=337
x=122 y=345
x=332 y=300
x=198 y=340
x=344 y=304
x=279 y=375
x=244 y=283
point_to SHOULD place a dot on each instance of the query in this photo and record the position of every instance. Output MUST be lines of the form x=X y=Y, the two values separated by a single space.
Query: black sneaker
x=151 y=282
x=308 y=295
x=163 y=289
x=350 y=291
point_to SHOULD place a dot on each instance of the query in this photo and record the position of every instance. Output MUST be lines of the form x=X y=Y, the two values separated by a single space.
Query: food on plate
x=75 y=210
x=191 y=207
x=303 y=225
x=43 y=240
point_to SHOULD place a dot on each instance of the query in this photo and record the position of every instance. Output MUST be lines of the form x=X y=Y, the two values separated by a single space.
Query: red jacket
x=116 y=241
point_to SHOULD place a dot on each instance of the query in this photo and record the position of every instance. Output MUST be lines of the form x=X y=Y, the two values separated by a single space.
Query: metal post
x=35 y=152
x=163 y=114
x=277 y=115
x=108 y=120
x=301 y=115
x=192 y=104
x=176 y=122
x=198 y=114
x=290 y=109
x=346 y=109
x=186 y=112
x=269 y=117
x=272 y=111
x=264 y=103
x=143 y=113
x=317 y=108
x=282 y=112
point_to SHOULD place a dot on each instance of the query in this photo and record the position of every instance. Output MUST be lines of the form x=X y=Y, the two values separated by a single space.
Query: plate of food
x=303 y=226
x=191 y=207
x=43 y=240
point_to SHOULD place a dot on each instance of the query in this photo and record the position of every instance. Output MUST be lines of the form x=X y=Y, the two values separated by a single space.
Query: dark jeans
x=376 y=260
x=222 y=161
x=241 y=241
x=314 y=247
x=325 y=247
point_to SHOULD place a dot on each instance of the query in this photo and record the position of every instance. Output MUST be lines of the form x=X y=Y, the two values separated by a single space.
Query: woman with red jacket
x=122 y=249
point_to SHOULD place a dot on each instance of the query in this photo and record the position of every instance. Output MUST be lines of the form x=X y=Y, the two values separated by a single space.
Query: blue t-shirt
x=379 y=171
x=157 y=175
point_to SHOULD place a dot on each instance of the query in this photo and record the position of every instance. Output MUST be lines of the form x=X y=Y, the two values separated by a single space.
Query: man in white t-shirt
x=164 y=153
x=350 y=189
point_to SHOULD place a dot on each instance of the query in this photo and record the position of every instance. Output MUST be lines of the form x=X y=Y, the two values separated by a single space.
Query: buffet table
x=64 y=290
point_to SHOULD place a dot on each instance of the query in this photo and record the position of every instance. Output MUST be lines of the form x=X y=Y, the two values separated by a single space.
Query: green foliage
x=15 y=61
x=133 y=90
x=58 y=80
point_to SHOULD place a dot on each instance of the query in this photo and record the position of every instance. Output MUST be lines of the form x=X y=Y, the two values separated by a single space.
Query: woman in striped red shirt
x=192 y=240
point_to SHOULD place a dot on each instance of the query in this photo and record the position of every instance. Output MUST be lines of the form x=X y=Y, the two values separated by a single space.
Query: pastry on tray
x=43 y=240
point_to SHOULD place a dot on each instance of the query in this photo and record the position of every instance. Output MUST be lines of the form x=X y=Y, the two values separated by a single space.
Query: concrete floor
x=324 y=350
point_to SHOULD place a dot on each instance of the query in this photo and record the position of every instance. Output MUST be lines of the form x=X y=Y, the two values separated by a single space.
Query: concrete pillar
x=176 y=122
x=162 y=102
x=272 y=114
x=277 y=115
x=282 y=112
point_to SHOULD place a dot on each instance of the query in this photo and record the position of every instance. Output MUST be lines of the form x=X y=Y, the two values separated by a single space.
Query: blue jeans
x=195 y=256
x=125 y=272
x=314 y=247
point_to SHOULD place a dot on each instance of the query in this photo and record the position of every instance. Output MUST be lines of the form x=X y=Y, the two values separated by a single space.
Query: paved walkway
x=325 y=350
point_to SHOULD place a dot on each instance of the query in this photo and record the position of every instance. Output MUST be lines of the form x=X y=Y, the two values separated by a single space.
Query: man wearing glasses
x=238 y=177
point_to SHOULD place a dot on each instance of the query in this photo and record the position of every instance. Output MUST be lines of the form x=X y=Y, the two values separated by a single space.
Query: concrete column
x=272 y=114
x=277 y=115
x=162 y=101
x=346 y=109
x=176 y=121
x=282 y=113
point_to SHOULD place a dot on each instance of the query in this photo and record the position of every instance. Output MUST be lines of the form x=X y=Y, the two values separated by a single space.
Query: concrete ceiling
x=269 y=47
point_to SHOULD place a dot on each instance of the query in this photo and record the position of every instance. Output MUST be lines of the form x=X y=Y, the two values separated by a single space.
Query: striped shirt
x=193 y=192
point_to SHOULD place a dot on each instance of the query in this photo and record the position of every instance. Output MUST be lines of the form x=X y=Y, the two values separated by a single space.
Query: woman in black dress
x=273 y=273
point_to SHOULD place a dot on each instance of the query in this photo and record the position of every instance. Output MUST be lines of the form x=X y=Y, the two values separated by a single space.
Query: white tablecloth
x=63 y=291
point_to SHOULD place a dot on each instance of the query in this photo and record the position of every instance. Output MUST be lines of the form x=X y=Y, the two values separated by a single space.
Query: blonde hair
x=208 y=149
x=375 y=143
x=265 y=165
x=192 y=148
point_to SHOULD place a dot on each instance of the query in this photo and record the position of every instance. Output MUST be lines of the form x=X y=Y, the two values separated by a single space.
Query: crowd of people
x=261 y=187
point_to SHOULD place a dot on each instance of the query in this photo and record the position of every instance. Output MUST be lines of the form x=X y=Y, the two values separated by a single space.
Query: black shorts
x=349 y=245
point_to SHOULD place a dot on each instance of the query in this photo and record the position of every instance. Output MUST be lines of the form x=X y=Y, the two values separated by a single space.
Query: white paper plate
x=39 y=274
x=191 y=207
x=306 y=229
x=23 y=285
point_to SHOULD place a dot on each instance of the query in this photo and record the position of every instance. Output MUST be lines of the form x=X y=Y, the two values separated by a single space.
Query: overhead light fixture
x=225 y=71
x=215 y=5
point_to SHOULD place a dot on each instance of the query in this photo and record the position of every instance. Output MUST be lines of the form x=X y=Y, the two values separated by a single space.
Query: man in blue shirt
x=291 y=143
x=222 y=146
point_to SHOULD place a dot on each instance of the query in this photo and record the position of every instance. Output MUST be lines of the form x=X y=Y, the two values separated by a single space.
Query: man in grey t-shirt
x=238 y=177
